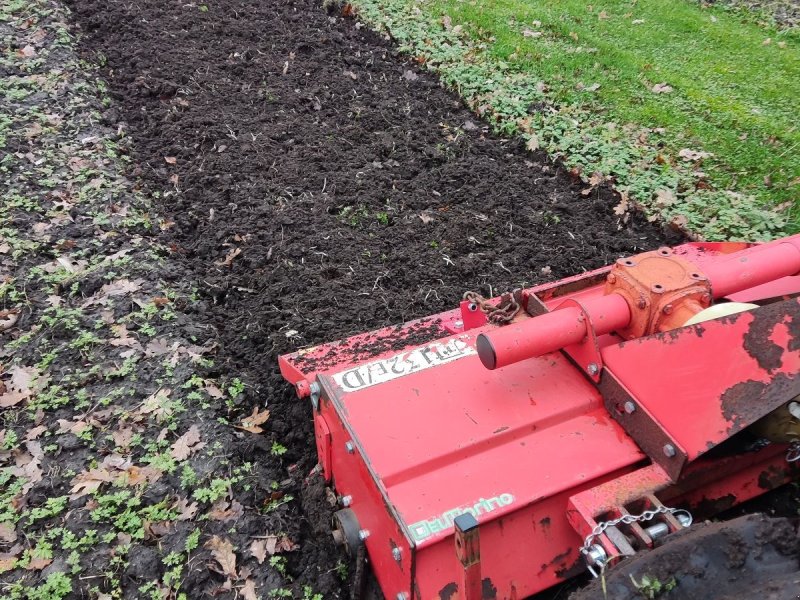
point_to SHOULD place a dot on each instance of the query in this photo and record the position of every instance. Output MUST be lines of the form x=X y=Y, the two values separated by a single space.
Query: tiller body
x=475 y=460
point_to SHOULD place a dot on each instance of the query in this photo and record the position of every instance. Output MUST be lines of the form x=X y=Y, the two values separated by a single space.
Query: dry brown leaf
x=88 y=482
x=156 y=405
x=7 y=563
x=252 y=422
x=159 y=347
x=248 y=590
x=73 y=427
x=212 y=389
x=226 y=262
x=10 y=398
x=258 y=549
x=122 y=437
x=27 y=52
x=274 y=544
x=8 y=318
x=37 y=564
x=186 y=511
x=693 y=155
x=661 y=88
x=222 y=551
x=186 y=444
x=170 y=160
x=224 y=511
x=35 y=432
x=135 y=475
x=533 y=143
x=7 y=533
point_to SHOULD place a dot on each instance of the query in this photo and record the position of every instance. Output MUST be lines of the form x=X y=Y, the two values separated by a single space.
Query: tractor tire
x=753 y=557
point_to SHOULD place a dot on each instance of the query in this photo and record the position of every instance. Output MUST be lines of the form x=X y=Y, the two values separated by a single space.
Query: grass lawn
x=669 y=76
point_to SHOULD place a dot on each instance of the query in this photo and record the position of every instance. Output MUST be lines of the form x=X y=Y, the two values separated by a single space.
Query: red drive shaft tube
x=551 y=331
x=755 y=266
x=561 y=328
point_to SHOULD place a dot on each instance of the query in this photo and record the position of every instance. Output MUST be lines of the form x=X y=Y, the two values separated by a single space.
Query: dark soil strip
x=347 y=189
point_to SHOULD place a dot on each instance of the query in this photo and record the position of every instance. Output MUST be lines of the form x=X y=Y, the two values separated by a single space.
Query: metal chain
x=499 y=314
x=793 y=453
x=647 y=515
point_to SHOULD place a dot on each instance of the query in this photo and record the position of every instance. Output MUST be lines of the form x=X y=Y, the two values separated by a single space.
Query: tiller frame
x=479 y=460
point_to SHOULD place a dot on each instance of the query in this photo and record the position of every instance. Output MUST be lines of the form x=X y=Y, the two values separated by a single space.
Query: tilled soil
x=315 y=185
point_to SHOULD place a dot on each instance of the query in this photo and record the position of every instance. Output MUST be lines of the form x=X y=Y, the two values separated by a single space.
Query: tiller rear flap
x=494 y=450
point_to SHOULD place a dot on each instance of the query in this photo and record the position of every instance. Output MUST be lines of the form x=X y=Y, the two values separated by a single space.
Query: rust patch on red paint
x=771 y=478
x=449 y=592
x=757 y=341
x=746 y=402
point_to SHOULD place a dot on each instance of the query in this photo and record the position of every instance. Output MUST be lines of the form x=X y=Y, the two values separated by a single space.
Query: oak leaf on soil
x=222 y=551
x=186 y=444
x=252 y=422
x=248 y=590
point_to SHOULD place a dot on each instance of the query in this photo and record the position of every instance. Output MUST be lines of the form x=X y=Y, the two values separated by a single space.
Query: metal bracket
x=468 y=552
x=586 y=354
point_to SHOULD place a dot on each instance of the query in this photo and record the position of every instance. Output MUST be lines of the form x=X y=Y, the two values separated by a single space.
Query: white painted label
x=402 y=364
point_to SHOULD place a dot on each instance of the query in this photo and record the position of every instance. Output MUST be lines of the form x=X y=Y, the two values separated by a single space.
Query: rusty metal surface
x=704 y=383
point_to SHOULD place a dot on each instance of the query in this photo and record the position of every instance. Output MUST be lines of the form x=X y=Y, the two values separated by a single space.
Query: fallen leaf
x=35 y=432
x=73 y=427
x=279 y=543
x=27 y=52
x=122 y=437
x=212 y=390
x=156 y=404
x=8 y=318
x=623 y=206
x=123 y=338
x=170 y=160
x=248 y=590
x=186 y=444
x=185 y=510
x=89 y=482
x=531 y=34
x=222 y=510
x=661 y=88
x=693 y=155
x=226 y=262
x=8 y=559
x=158 y=347
x=252 y=422
x=37 y=564
x=664 y=198
x=533 y=143
x=8 y=534
x=258 y=549
x=222 y=551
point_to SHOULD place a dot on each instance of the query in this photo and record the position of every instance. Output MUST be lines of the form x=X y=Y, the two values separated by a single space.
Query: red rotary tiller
x=474 y=459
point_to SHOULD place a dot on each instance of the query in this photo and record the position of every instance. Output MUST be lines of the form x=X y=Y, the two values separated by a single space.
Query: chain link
x=499 y=314
x=647 y=515
x=793 y=453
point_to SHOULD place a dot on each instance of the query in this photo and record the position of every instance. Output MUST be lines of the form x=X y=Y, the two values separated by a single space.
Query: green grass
x=594 y=66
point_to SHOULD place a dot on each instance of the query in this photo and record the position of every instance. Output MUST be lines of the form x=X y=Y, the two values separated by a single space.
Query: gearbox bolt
x=346 y=501
x=402 y=596
x=350 y=447
x=592 y=369
x=363 y=534
x=667 y=309
x=630 y=407
x=397 y=554
x=669 y=450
